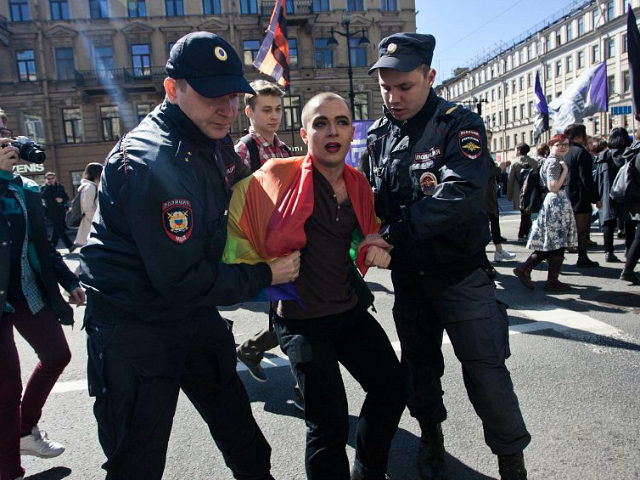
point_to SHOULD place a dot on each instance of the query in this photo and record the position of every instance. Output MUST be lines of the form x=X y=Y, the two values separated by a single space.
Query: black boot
x=511 y=467
x=431 y=463
x=553 y=283
x=523 y=272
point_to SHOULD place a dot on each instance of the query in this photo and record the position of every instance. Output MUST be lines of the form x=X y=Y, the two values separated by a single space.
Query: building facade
x=502 y=87
x=79 y=73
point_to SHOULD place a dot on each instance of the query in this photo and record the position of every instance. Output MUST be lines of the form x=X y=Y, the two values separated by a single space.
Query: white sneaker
x=39 y=445
x=499 y=256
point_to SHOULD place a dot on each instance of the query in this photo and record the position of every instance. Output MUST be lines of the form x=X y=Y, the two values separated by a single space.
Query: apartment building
x=79 y=73
x=501 y=85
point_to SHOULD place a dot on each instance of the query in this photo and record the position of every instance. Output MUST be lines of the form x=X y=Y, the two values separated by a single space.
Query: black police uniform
x=439 y=240
x=153 y=274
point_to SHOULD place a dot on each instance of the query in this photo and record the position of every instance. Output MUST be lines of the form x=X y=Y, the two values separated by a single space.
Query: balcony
x=294 y=7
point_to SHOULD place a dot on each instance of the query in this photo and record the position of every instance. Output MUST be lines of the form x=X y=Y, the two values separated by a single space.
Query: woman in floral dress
x=555 y=228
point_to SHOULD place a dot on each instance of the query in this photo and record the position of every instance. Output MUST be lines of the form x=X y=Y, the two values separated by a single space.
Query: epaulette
x=450 y=111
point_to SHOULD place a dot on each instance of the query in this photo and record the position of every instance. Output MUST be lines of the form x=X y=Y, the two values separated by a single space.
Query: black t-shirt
x=11 y=209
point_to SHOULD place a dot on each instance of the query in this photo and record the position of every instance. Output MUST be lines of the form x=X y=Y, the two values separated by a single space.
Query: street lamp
x=333 y=43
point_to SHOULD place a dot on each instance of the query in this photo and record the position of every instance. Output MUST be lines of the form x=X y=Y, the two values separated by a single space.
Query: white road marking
x=545 y=317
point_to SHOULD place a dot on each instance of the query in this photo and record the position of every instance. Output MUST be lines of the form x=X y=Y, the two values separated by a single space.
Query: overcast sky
x=465 y=29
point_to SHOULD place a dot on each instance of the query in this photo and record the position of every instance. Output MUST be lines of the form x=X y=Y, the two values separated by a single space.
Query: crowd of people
x=156 y=227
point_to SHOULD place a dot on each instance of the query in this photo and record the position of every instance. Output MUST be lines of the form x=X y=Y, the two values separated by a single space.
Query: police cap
x=405 y=51
x=209 y=64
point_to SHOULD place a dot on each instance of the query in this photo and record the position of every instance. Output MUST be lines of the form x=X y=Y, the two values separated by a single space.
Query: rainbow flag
x=268 y=211
x=273 y=57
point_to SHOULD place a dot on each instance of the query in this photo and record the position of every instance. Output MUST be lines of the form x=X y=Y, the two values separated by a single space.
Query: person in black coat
x=607 y=165
x=30 y=302
x=632 y=237
x=582 y=188
x=56 y=201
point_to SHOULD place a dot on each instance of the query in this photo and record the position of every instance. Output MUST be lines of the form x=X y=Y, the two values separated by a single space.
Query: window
x=611 y=84
x=596 y=18
x=529 y=80
x=515 y=139
x=320 y=5
x=625 y=44
x=506 y=115
x=523 y=115
x=508 y=142
x=65 y=67
x=103 y=58
x=291 y=7
x=137 y=8
x=358 y=53
x=500 y=118
x=250 y=49
x=558 y=68
x=110 y=122
x=530 y=52
x=293 y=53
x=611 y=10
x=211 y=7
x=530 y=110
x=141 y=60
x=72 y=125
x=388 y=5
x=175 y=8
x=142 y=110
x=570 y=32
x=98 y=9
x=324 y=55
x=522 y=57
x=19 y=10
x=361 y=106
x=558 y=38
x=580 y=59
x=521 y=80
x=291 y=111
x=515 y=113
x=581 y=26
x=626 y=81
x=595 y=54
x=59 y=9
x=26 y=65
x=34 y=128
x=610 y=45
x=570 y=63
x=506 y=89
x=548 y=43
x=248 y=7
x=513 y=86
x=355 y=5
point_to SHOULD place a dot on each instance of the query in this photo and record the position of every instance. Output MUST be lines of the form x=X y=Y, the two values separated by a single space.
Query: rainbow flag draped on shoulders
x=268 y=211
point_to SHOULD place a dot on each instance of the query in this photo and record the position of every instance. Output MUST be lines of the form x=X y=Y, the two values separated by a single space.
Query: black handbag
x=626 y=185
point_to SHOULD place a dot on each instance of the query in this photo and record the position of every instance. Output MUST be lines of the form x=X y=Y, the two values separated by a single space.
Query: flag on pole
x=541 y=123
x=273 y=57
x=633 y=42
x=585 y=96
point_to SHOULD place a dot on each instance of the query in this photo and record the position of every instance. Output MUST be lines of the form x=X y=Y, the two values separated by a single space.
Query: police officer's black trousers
x=136 y=372
x=315 y=348
x=477 y=326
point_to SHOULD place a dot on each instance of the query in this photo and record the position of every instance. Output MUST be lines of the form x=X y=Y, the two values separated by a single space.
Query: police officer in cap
x=429 y=167
x=153 y=274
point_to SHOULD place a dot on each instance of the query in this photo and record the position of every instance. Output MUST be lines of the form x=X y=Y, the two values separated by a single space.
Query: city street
x=575 y=364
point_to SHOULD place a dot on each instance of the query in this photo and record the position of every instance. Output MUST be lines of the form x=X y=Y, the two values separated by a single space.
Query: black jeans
x=633 y=253
x=136 y=371
x=477 y=326
x=315 y=348
x=59 y=231
x=494 y=223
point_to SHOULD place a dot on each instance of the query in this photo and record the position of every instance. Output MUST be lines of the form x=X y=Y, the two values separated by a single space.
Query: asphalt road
x=575 y=364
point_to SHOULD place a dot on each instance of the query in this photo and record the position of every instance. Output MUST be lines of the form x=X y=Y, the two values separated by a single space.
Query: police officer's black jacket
x=448 y=231
x=161 y=224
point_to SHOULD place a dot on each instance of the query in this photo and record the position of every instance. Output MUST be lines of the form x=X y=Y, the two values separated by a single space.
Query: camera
x=28 y=150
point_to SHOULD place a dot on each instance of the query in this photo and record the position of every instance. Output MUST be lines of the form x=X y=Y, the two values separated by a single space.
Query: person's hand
x=77 y=297
x=375 y=239
x=377 y=257
x=8 y=155
x=285 y=269
x=59 y=199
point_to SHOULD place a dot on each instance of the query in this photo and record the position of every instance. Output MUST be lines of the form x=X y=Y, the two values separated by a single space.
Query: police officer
x=429 y=167
x=152 y=268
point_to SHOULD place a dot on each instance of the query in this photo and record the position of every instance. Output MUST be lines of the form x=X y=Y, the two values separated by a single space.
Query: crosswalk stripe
x=544 y=317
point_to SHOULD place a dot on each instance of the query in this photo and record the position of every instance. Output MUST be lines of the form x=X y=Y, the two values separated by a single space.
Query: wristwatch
x=385 y=233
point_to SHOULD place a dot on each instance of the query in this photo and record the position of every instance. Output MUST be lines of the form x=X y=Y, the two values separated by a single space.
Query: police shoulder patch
x=177 y=219
x=470 y=143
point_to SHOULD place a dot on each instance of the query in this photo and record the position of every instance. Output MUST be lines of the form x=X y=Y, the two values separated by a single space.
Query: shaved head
x=317 y=100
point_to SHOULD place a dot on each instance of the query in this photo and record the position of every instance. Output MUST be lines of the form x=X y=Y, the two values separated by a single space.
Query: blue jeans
x=315 y=348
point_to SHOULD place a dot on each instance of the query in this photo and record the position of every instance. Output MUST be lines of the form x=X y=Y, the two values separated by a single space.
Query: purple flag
x=359 y=143
x=541 y=123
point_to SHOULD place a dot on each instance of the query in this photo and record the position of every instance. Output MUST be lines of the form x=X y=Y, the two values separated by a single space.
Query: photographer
x=56 y=201
x=30 y=301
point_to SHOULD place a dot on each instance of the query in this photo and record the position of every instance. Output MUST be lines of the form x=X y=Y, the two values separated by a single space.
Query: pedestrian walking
x=56 y=202
x=155 y=278
x=437 y=238
x=30 y=302
x=555 y=228
x=514 y=185
x=88 y=191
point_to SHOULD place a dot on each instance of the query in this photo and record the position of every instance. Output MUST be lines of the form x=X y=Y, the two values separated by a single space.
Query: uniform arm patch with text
x=470 y=143
x=177 y=219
